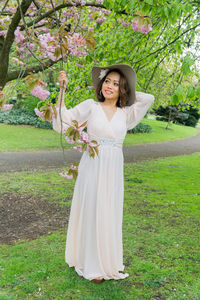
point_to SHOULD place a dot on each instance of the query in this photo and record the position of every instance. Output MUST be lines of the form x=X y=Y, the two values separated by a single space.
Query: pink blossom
x=85 y=137
x=30 y=46
x=82 y=2
x=150 y=28
x=100 y=20
x=6 y=107
x=80 y=140
x=90 y=86
x=105 y=11
x=19 y=36
x=16 y=60
x=65 y=175
x=39 y=113
x=143 y=29
x=78 y=87
x=3 y=32
x=39 y=92
x=70 y=141
x=135 y=26
x=72 y=167
x=11 y=10
x=78 y=147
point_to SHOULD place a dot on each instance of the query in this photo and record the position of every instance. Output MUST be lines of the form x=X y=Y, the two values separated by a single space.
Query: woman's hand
x=62 y=79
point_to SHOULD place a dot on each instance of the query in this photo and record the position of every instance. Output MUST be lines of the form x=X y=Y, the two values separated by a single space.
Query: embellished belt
x=107 y=141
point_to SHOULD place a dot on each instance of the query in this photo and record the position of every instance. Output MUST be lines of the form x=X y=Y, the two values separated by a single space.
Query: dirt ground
x=26 y=217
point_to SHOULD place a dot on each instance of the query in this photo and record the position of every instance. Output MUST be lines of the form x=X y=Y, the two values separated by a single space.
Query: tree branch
x=61 y=6
x=37 y=68
x=64 y=5
x=166 y=45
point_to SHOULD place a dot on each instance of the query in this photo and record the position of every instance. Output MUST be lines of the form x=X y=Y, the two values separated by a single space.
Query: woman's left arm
x=136 y=111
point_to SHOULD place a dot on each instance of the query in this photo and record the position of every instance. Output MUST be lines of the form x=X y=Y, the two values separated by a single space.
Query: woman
x=94 y=238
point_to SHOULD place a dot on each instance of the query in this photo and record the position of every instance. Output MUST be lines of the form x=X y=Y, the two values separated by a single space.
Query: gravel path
x=42 y=160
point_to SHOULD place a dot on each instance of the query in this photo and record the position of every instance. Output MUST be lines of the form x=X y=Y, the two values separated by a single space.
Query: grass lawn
x=160 y=237
x=23 y=138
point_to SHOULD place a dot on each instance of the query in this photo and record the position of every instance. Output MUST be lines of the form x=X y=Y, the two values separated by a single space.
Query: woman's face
x=110 y=86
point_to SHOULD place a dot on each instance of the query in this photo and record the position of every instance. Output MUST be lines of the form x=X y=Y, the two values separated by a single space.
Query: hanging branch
x=62 y=87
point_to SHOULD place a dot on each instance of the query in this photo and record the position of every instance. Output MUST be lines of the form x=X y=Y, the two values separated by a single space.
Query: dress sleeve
x=80 y=113
x=136 y=111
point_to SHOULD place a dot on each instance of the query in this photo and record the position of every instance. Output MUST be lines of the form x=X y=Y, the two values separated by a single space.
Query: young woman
x=94 y=238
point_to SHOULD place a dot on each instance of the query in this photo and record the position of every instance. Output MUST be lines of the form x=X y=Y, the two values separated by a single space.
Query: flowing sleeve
x=80 y=113
x=136 y=111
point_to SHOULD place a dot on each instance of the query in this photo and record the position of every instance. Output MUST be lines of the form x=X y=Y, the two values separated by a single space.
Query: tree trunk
x=8 y=41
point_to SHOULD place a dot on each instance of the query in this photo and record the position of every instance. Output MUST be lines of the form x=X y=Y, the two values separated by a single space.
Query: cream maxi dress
x=94 y=237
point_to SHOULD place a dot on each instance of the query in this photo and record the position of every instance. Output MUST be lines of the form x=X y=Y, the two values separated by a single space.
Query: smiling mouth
x=108 y=92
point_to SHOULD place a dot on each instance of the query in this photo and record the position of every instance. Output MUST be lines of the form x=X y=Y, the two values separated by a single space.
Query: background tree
x=35 y=35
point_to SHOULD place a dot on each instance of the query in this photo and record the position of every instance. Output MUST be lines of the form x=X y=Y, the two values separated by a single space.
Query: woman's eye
x=116 y=83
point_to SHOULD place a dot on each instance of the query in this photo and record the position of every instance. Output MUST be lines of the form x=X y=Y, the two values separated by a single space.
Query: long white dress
x=94 y=237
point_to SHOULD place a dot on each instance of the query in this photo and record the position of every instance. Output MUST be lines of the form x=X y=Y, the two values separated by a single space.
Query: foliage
x=19 y=116
x=162 y=58
x=27 y=104
x=141 y=128
x=179 y=114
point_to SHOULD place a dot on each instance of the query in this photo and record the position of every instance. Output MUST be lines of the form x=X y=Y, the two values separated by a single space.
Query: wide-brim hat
x=99 y=72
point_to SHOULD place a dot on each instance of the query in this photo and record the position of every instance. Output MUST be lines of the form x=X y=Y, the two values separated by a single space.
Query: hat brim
x=127 y=71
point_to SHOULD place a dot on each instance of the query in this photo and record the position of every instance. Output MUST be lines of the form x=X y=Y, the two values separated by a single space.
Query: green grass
x=22 y=138
x=159 y=133
x=16 y=138
x=160 y=237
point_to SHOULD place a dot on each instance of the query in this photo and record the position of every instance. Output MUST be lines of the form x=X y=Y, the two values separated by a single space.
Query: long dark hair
x=123 y=89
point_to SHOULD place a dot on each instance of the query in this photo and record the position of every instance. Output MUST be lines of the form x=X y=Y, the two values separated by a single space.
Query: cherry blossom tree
x=37 y=34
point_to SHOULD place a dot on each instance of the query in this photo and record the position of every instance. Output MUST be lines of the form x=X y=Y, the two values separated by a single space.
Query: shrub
x=179 y=114
x=19 y=116
x=141 y=128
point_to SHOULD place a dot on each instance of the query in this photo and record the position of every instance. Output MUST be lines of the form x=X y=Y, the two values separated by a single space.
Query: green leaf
x=186 y=64
x=180 y=92
x=191 y=92
x=175 y=99
x=76 y=135
x=70 y=131
x=198 y=92
x=84 y=146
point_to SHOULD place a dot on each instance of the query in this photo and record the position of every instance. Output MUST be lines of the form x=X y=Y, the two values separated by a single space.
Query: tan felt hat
x=99 y=72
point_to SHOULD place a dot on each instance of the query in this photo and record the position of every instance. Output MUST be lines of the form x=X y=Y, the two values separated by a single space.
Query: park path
x=22 y=161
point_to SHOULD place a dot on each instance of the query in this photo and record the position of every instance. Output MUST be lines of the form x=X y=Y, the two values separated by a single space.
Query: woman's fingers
x=62 y=78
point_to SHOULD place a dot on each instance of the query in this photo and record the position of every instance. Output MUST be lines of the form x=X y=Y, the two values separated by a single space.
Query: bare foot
x=98 y=280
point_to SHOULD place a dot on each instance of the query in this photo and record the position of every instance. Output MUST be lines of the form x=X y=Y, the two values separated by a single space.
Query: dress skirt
x=94 y=237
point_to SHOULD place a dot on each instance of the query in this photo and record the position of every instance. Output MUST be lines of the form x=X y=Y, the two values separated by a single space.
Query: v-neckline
x=106 y=115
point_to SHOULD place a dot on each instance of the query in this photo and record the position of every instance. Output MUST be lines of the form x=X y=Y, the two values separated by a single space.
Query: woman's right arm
x=80 y=112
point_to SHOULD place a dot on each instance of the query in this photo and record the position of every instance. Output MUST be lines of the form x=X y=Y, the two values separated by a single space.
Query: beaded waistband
x=107 y=141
